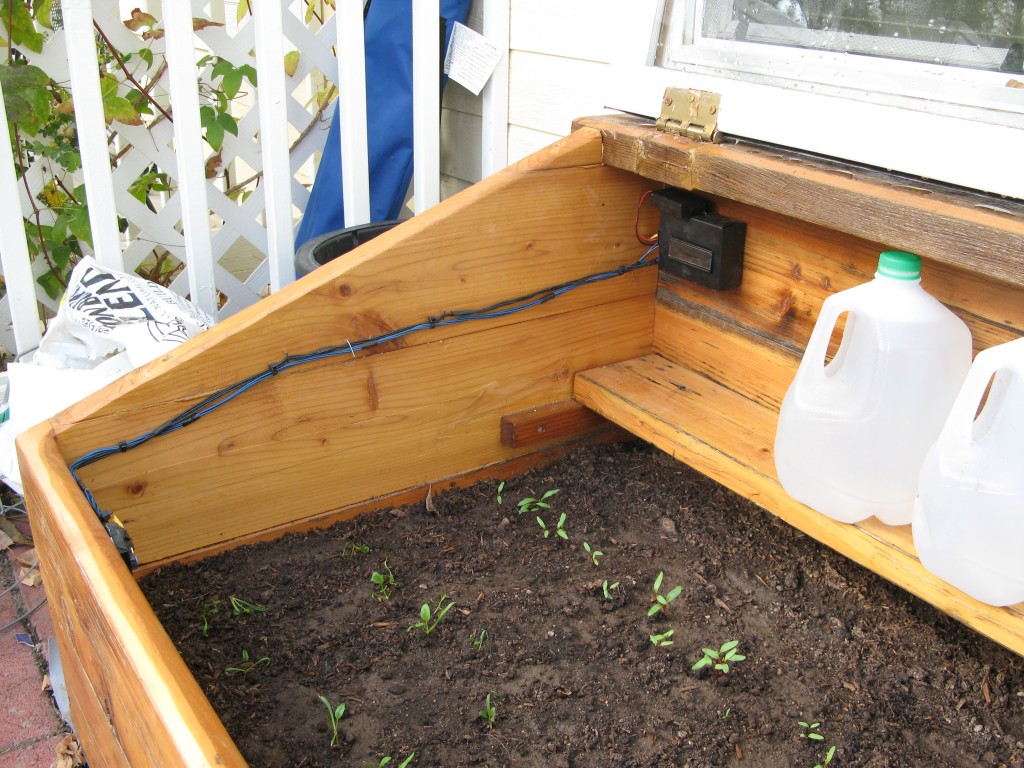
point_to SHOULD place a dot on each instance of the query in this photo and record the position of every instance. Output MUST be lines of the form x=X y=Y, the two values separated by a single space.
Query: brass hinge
x=690 y=113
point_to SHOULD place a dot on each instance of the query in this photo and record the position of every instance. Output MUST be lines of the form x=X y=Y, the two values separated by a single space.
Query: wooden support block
x=549 y=423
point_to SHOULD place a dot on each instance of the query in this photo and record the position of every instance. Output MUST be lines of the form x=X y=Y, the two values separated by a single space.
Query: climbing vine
x=43 y=135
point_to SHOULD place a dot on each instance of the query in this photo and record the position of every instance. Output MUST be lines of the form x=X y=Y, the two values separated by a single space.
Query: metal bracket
x=690 y=113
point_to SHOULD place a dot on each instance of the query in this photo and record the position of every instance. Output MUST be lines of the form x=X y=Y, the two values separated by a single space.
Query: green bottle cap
x=899 y=265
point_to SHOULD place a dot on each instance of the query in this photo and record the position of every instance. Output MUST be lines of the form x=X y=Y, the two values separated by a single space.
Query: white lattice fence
x=234 y=223
x=197 y=221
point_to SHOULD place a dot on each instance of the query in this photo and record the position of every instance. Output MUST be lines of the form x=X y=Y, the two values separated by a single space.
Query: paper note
x=470 y=59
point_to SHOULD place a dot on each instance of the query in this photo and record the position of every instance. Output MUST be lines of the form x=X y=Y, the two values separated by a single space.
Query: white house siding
x=557 y=72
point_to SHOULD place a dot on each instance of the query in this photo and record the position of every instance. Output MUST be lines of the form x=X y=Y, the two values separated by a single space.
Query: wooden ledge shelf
x=729 y=437
x=983 y=233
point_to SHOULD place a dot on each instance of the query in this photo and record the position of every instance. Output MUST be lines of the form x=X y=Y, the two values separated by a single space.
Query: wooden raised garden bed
x=698 y=373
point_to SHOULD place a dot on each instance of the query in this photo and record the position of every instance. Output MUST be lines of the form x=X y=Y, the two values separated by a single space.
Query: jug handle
x=959 y=426
x=813 y=361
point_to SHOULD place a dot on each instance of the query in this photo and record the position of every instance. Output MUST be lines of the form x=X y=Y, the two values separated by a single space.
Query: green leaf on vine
x=59 y=230
x=250 y=73
x=215 y=136
x=79 y=225
x=28 y=100
x=207 y=116
x=108 y=86
x=231 y=83
x=228 y=123
x=23 y=29
x=42 y=11
x=120 y=109
x=21 y=76
x=49 y=283
x=291 y=63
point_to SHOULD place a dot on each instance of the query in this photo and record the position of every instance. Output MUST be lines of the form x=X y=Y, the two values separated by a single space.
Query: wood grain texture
x=332 y=434
x=440 y=260
x=133 y=700
x=315 y=438
x=791 y=267
x=503 y=471
x=962 y=229
x=727 y=436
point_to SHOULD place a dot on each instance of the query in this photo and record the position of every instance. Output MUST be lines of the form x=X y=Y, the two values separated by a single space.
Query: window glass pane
x=978 y=34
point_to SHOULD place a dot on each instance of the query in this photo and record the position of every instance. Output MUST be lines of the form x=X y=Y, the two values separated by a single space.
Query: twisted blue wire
x=225 y=395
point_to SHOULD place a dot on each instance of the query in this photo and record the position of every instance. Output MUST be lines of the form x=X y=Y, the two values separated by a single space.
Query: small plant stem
x=65 y=190
x=10 y=25
x=129 y=75
x=36 y=212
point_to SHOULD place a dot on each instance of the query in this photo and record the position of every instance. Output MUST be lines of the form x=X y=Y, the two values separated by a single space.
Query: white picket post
x=355 y=169
x=426 y=103
x=188 y=149
x=92 y=135
x=273 y=111
x=21 y=294
x=494 y=135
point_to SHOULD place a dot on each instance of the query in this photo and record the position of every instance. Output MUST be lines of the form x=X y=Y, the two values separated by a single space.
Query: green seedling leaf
x=607 y=589
x=334 y=715
x=662 y=640
x=240 y=606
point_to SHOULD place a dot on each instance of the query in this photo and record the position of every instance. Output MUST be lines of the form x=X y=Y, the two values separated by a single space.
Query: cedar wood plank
x=957 y=227
x=134 y=702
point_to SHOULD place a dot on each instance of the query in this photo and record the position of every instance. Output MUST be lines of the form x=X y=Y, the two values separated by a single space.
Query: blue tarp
x=388 y=40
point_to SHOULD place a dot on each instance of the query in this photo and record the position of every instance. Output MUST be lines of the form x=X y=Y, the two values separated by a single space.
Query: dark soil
x=574 y=677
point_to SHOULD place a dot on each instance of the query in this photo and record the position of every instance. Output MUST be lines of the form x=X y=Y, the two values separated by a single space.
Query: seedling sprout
x=429 y=619
x=533 y=505
x=334 y=715
x=720 y=659
x=384 y=584
x=662 y=640
x=595 y=554
x=559 y=529
x=490 y=711
x=661 y=601
x=245 y=666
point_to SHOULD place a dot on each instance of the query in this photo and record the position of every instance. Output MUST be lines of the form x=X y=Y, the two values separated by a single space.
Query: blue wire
x=225 y=395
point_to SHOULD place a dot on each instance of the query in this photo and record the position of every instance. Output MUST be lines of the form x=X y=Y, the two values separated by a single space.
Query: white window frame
x=898 y=130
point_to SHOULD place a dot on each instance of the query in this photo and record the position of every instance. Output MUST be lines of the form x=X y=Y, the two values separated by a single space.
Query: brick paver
x=30 y=727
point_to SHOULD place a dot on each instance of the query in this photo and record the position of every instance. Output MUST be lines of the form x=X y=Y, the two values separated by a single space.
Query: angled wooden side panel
x=423 y=408
x=133 y=701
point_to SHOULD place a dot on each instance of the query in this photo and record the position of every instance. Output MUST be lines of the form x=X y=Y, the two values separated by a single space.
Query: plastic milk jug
x=853 y=434
x=969 y=516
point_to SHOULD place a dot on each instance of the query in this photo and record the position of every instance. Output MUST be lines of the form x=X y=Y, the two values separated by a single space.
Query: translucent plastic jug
x=853 y=434
x=969 y=516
